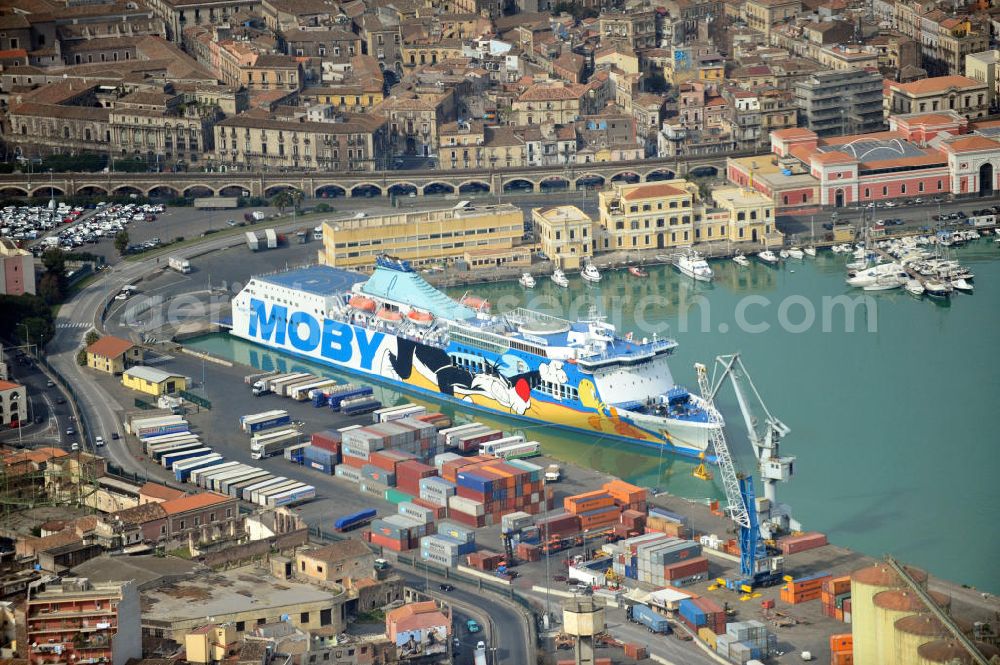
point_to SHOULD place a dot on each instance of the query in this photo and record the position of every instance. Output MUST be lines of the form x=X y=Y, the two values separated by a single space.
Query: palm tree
x=282 y=200
x=296 y=196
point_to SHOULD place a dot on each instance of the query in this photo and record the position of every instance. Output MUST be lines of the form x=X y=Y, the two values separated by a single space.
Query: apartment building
x=838 y=102
x=649 y=215
x=764 y=15
x=75 y=621
x=423 y=238
x=13 y=404
x=566 y=234
x=17 y=269
x=350 y=143
x=179 y=14
x=963 y=95
x=983 y=67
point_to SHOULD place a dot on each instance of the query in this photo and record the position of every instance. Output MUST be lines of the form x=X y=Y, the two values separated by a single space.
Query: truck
x=653 y=622
x=357 y=405
x=335 y=397
x=150 y=427
x=179 y=264
x=278 y=384
x=521 y=450
x=292 y=496
x=256 y=422
x=274 y=445
x=271 y=237
x=257 y=216
x=391 y=413
x=253 y=242
x=252 y=493
x=265 y=384
x=182 y=470
x=226 y=486
x=170 y=459
x=196 y=475
x=265 y=494
x=354 y=520
x=301 y=393
x=553 y=473
x=318 y=232
x=488 y=447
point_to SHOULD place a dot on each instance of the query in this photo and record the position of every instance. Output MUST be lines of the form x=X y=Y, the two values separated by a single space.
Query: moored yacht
x=559 y=277
x=590 y=273
x=693 y=265
x=527 y=281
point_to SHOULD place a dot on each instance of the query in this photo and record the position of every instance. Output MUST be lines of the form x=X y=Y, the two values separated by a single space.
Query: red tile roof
x=158 y=491
x=971 y=144
x=110 y=346
x=794 y=133
x=9 y=385
x=193 y=502
x=936 y=84
x=654 y=191
x=835 y=157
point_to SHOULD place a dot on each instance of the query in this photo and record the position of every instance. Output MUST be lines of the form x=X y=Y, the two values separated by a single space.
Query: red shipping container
x=805 y=542
x=325 y=441
x=353 y=462
x=382 y=461
x=696 y=566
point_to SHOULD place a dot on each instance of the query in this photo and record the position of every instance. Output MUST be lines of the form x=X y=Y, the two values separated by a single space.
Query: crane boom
x=736 y=507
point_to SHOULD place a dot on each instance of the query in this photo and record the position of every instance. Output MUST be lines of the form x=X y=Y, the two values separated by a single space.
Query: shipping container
x=146 y=442
x=226 y=486
x=255 y=422
x=295 y=453
x=473 y=441
x=273 y=443
x=488 y=447
x=448 y=437
x=198 y=474
x=292 y=497
x=390 y=413
x=653 y=622
x=250 y=494
x=264 y=495
x=235 y=490
x=302 y=393
x=156 y=453
x=169 y=459
x=183 y=469
x=213 y=482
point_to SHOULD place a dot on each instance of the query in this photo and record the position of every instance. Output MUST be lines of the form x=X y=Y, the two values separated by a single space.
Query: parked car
x=98 y=441
x=473 y=626
x=70 y=431
x=446 y=587
x=74 y=446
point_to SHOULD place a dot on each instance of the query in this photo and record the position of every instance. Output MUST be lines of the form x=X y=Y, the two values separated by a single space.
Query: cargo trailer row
x=255 y=422
x=156 y=453
x=171 y=458
x=270 y=443
x=391 y=413
x=182 y=470
x=266 y=384
x=149 y=444
x=158 y=426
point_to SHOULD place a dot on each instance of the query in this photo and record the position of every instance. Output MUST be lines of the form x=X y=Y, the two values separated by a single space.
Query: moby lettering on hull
x=399 y=329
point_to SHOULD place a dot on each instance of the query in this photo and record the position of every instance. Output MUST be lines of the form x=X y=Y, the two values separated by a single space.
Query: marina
x=871 y=508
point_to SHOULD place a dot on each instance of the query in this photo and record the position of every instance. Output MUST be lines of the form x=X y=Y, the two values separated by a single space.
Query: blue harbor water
x=894 y=424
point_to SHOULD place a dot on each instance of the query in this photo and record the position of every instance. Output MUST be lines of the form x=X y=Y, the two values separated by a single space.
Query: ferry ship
x=397 y=328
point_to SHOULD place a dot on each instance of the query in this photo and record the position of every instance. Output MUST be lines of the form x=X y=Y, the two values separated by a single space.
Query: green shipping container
x=395 y=497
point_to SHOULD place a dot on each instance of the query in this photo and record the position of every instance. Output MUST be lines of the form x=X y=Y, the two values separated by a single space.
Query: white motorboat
x=527 y=281
x=810 y=251
x=796 y=253
x=869 y=276
x=914 y=287
x=741 y=260
x=962 y=284
x=693 y=265
x=590 y=273
x=559 y=277
x=767 y=256
x=887 y=282
x=936 y=289
x=783 y=254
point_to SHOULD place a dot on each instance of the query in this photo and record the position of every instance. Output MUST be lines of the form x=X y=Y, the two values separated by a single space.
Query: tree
x=297 y=196
x=656 y=83
x=50 y=288
x=54 y=261
x=91 y=337
x=30 y=310
x=282 y=200
x=121 y=242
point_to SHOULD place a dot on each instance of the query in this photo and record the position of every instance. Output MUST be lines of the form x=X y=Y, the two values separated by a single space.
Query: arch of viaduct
x=381 y=183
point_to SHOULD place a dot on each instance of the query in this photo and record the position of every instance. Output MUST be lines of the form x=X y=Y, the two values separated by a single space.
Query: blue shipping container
x=650 y=619
x=694 y=614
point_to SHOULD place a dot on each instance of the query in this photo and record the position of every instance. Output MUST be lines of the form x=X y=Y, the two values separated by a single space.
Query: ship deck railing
x=522 y=315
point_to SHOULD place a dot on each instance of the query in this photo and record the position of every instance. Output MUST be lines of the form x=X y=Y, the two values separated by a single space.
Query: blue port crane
x=758 y=567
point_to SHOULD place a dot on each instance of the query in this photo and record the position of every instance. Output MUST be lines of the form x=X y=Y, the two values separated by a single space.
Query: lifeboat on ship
x=363 y=303
x=475 y=302
x=389 y=315
x=420 y=318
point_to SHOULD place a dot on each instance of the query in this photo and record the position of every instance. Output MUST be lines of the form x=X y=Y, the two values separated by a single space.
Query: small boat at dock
x=914 y=287
x=636 y=271
x=741 y=260
x=590 y=273
x=810 y=251
x=796 y=253
x=783 y=254
x=962 y=284
x=527 y=281
x=559 y=277
x=693 y=265
x=769 y=257
x=936 y=289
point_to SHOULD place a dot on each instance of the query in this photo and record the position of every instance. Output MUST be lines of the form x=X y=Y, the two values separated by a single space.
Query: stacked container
x=514 y=522
x=419 y=513
x=348 y=473
x=804 y=589
x=698 y=612
x=440 y=512
x=748 y=640
x=835 y=592
x=398 y=532
x=485 y=561
x=444 y=549
x=667 y=522
x=321 y=459
x=667 y=561
x=842 y=649
x=396 y=497
x=499 y=486
x=626 y=495
x=596 y=510
x=801 y=543
x=410 y=473
x=436 y=490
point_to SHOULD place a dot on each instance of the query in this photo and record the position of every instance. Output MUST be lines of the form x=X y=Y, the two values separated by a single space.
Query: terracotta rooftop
x=335 y=552
x=834 y=157
x=110 y=346
x=158 y=491
x=147 y=512
x=936 y=84
x=9 y=385
x=794 y=133
x=971 y=144
x=654 y=191
x=193 y=502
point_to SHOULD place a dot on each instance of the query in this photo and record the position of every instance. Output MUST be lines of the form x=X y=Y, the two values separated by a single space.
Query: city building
x=153 y=381
x=113 y=355
x=172 y=611
x=203 y=517
x=179 y=14
x=750 y=215
x=841 y=102
x=75 y=621
x=162 y=128
x=764 y=15
x=419 y=630
x=213 y=643
x=424 y=238
x=13 y=404
x=961 y=94
x=566 y=235
x=983 y=67
x=649 y=215
x=17 y=269
x=558 y=104
x=922 y=155
x=348 y=142
x=342 y=563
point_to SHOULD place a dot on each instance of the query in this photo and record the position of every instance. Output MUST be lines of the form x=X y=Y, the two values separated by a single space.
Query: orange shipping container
x=624 y=493
x=588 y=501
x=842 y=658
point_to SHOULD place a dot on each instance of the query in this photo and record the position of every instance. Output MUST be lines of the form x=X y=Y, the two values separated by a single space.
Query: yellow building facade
x=750 y=215
x=566 y=235
x=653 y=215
x=423 y=238
x=211 y=644
x=153 y=381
